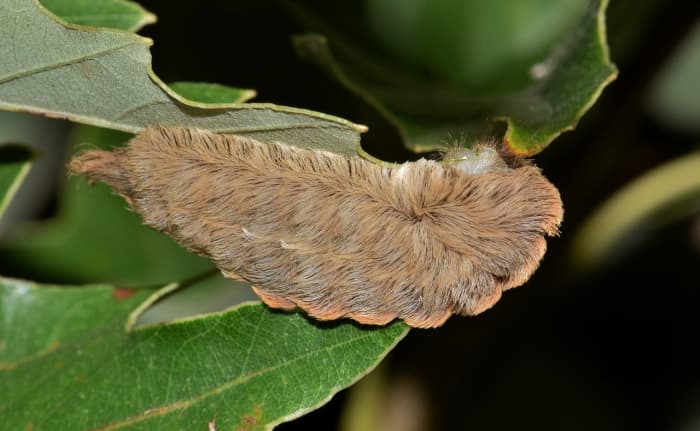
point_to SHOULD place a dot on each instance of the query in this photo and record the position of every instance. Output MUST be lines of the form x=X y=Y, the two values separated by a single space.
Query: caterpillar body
x=335 y=236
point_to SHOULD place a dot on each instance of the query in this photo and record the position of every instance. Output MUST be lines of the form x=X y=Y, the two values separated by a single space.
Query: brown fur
x=338 y=237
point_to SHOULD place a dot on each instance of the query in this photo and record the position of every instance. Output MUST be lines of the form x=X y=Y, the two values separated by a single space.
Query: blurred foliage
x=665 y=194
x=461 y=70
x=95 y=238
x=484 y=47
x=15 y=161
x=675 y=98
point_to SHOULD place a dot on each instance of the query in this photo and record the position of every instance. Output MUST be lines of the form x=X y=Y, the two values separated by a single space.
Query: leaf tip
x=361 y=128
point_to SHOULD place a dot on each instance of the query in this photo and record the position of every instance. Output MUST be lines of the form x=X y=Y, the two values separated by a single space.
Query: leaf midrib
x=182 y=404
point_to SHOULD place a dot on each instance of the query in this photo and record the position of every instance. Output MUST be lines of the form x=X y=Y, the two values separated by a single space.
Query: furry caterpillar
x=340 y=237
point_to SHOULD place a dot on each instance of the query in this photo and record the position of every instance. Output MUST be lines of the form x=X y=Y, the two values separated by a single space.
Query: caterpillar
x=340 y=237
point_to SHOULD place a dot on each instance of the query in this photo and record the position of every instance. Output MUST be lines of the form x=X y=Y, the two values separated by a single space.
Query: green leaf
x=116 y=14
x=205 y=92
x=430 y=110
x=477 y=54
x=95 y=238
x=674 y=97
x=576 y=80
x=67 y=362
x=666 y=193
x=104 y=78
x=38 y=319
x=15 y=161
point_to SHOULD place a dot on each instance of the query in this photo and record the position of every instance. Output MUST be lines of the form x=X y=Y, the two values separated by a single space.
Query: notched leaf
x=169 y=376
x=104 y=78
